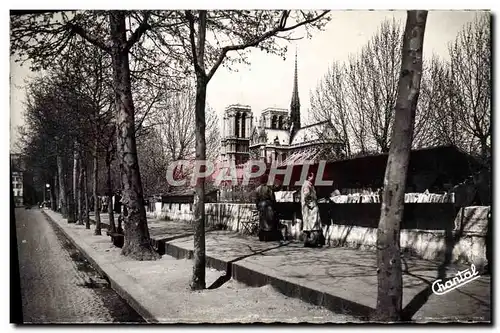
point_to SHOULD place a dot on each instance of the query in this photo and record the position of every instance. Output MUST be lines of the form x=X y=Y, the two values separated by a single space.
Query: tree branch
x=280 y=28
x=73 y=28
x=202 y=27
x=149 y=108
x=190 y=18
x=137 y=34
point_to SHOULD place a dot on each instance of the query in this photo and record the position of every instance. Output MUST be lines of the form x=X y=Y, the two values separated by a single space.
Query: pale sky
x=267 y=81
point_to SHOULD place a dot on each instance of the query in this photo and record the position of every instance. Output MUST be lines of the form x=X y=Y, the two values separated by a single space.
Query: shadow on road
x=452 y=237
x=225 y=278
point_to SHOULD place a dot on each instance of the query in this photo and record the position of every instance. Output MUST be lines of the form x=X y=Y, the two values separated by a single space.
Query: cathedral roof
x=283 y=136
x=319 y=132
x=322 y=132
x=310 y=154
x=274 y=110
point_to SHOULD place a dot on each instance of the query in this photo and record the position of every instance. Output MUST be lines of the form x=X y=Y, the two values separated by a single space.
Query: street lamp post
x=47 y=188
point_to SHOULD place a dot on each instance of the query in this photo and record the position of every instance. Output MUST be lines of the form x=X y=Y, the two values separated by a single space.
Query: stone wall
x=226 y=215
x=173 y=211
x=463 y=234
x=466 y=242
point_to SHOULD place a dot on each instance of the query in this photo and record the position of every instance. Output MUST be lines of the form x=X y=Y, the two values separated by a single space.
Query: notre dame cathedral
x=278 y=137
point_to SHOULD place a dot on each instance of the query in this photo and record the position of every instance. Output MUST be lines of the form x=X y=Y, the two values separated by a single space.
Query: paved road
x=57 y=283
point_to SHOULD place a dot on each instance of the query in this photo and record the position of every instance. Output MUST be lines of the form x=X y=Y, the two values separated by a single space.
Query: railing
x=245 y=194
x=282 y=196
x=409 y=198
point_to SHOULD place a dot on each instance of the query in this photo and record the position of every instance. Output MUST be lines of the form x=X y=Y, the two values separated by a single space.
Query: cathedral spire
x=295 y=103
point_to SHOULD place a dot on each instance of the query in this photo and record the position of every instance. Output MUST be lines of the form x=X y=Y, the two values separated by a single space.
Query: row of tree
x=145 y=55
x=454 y=108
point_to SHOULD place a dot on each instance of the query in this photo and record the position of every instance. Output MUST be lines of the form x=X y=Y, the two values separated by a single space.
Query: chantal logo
x=460 y=279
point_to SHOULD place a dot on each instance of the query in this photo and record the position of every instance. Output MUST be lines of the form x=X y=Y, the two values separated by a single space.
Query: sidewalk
x=340 y=279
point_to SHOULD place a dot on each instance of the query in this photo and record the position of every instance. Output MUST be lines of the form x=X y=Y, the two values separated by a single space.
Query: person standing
x=104 y=203
x=118 y=203
x=312 y=231
x=265 y=201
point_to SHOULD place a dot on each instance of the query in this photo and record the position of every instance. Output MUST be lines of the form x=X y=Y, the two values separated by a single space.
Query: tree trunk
x=198 y=279
x=86 y=194
x=62 y=188
x=80 y=195
x=97 y=216
x=69 y=198
x=64 y=193
x=112 y=228
x=52 y=199
x=54 y=194
x=485 y=154
x=389 y=275
x=74 y=201
x=57 y=191
x=123 y=209
x=137 y=242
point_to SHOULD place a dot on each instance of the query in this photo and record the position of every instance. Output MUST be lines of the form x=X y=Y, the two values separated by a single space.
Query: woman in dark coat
x=268 y=223
x=118 y=203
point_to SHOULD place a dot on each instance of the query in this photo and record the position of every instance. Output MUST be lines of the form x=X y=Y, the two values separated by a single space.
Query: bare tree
x=389 y=274
x=176 y=123
x=53 y=124
x=454 y=105
x=91 y=69
x=153 y=161
x=470 y=76
x=329 y=102
x=372 y=79
x=359 y=96
x=433 y=121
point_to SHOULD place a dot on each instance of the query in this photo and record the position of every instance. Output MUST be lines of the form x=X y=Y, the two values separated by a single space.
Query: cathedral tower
x=295 y=104
x=237 y=126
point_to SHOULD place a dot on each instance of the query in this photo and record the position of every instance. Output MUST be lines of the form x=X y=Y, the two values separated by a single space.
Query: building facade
x=17 y=178
x=17 y=187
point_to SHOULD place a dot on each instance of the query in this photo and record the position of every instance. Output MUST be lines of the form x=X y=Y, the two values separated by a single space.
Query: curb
x=112 y=274
x=253 y=277
x=242 y=273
